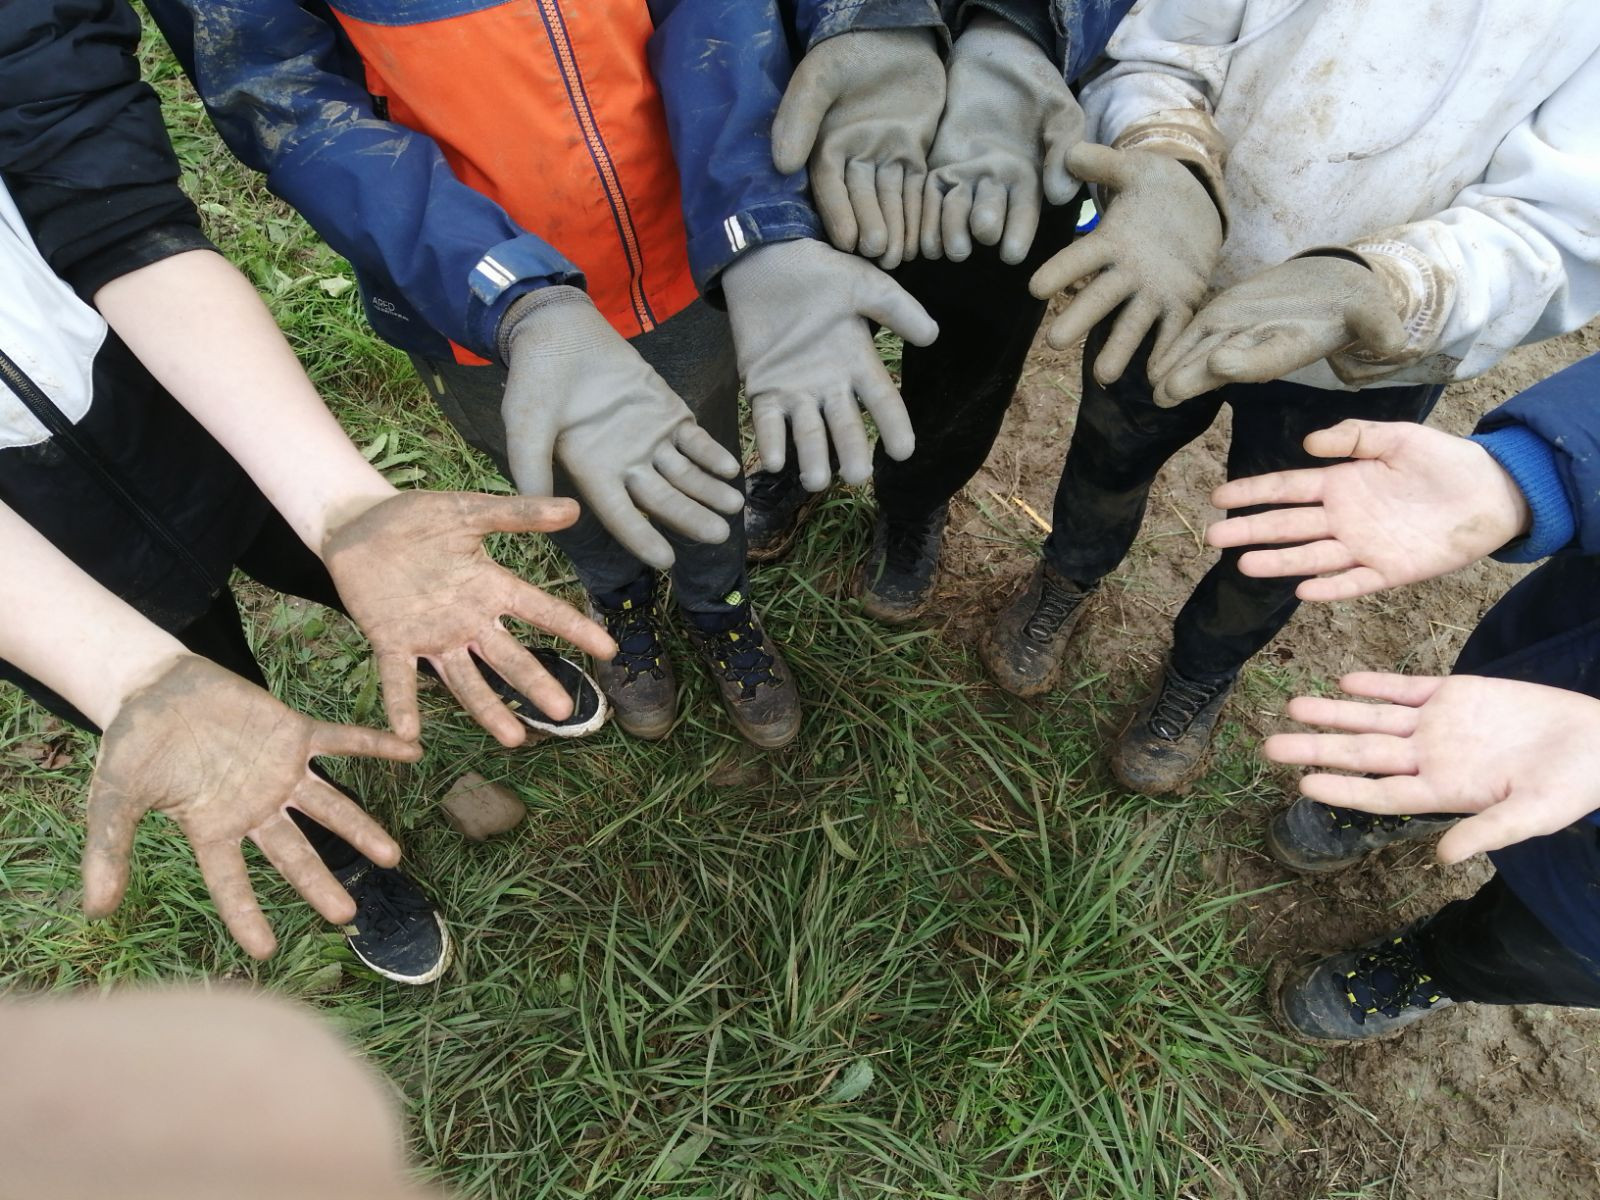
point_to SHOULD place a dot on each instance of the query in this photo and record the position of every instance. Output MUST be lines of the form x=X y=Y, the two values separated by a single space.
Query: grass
x=931 y=951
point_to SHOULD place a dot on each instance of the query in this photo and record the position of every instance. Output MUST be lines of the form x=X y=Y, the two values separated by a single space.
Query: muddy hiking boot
x=639 y=679
x=1024 y=649
x=756 y=686
x=397 y=931
x=1165 y=747
x=776 y=506
x=895 y=580
x=1314 y=838
x=1361 y=995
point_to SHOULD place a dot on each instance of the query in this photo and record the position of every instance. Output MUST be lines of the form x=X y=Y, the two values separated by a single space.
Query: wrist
x=1525 y=464
x=532 y=312
x=340 y=512
x=138 y=665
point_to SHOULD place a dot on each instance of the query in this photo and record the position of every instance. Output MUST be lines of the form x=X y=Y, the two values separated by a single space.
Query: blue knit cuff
x=1531 y=463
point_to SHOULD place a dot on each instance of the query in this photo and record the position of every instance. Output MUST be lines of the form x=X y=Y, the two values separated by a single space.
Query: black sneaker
x=589 y=708
x=639 y=679
x=1363 y=994
x=1024 y=650
x=1165 y=746
x=757 y=688
x=397 y=931
x=894 y=582
x=1314 y=838
x=776 y=505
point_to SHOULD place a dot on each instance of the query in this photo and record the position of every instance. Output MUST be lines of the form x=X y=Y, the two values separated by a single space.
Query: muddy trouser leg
x=1230 y=616
x=693 y=352
x=1119 y=445
x=1496 y=947
x=957 y=390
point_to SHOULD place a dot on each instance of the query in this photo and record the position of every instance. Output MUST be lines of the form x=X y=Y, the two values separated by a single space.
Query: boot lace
x=905 y=546
x=1389 y=978
x=1349 y=818
x=1057 y=602
x=388 y=903
x=639 y=649
x=737 y=655
x=1180 y=703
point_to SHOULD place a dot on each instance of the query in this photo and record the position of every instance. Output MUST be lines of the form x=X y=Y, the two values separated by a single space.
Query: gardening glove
x=800 y=313
x=1523 y=757
x=413 y=574
x=578 y=391
x=1152 y=254
x=862 y=107
x=226 y=761
x=1411 y=503
x=1287 y=317
x=1010 y=118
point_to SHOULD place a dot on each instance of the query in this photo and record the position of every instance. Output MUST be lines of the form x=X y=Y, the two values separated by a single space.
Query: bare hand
x=226 y=761
x=413 y=572
x=1416 y=503
x=1523 y=757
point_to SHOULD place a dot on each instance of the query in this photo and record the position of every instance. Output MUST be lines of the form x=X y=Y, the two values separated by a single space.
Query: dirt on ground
x=1478 y=1102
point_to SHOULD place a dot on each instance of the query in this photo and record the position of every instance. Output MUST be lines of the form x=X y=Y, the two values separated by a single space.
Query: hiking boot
x=639 y=679
x=1165 y=747
x=776 y=505
x=894 y=582
x=757 y=688
x=1314 y=838
x=1363 y=994
x=589 y=707
x=1024 y=649
x=397 y=931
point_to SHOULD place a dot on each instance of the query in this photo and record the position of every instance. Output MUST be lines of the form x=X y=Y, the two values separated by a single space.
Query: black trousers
x=278 y=559
x=1121 y=442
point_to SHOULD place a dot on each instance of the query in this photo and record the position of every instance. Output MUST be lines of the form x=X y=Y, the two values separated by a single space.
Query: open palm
x=1412 y=503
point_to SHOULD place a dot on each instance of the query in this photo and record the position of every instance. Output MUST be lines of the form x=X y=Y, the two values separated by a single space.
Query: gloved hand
x=414 y=575
x=577 y=390
x=1287 y=317
x=1154 y=250
x=1010 y=119
x=226 y=762
x=863 y=107
x=799 y=311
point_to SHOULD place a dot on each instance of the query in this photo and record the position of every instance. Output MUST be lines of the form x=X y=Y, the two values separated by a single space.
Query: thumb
x=1378 y=329
x=794 y=130
x=1095 y=163
x=896 y=309
x=112 y=817
x=1354 y=439
x=1513 y=820
x=518 y=514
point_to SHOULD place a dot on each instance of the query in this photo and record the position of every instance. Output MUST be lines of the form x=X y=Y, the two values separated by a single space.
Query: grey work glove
x=1287 y=317
x=1152 y=254
x=800 y=313
x=1008 y=124
x=863 y=107
x=578 y=392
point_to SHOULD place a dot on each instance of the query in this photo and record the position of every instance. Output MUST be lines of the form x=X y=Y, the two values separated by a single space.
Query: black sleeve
x=83 y=150
x=1030 y=16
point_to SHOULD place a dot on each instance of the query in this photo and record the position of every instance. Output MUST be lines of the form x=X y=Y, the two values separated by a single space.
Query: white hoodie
x=1454 y=143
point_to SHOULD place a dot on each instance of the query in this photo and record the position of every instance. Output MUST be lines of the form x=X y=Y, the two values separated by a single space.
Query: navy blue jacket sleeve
x=1086 y=26
x=722 y=66
x=283 y=87
x=816 y=20
x=1548 y=438
x=83 y=149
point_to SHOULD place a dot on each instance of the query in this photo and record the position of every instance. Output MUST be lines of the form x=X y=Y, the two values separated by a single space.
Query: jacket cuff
x=1191 y=137
x=508 y=271
x=1531 y=463
x=1029 y=16
x=149 y=246
x=1420 y=293
x=712 y=250
x=847 y=16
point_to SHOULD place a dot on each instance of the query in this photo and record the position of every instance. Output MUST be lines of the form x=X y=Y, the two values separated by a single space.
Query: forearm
x=202 y=331
x=64 y=629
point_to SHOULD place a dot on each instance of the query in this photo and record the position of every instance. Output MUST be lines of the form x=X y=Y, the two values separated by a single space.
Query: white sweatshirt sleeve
x=1515 y=258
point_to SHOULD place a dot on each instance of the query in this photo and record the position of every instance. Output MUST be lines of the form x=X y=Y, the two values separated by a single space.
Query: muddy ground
x=1479 y=1102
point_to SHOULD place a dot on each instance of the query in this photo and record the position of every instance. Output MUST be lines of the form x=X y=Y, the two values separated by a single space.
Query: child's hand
x=1525 y=758
x=413 y=573
x=226 y=762
x=1414 y=504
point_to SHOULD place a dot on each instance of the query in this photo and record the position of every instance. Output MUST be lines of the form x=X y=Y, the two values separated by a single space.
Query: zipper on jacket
x=561 y=43
x=55 y=421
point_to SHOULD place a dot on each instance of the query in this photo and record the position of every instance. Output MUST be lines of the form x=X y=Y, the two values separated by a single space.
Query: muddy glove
x=1010 y=120
x=414 y=576
x=799 y=311
x=1287 y=317
x=578 y=392
x=226 y=762
x=863 y=107
x=1152 y=255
